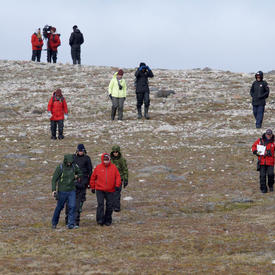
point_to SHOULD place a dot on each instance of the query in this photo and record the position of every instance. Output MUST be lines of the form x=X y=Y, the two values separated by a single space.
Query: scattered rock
x=164 y=93
x=156 y=169
x=172 y=177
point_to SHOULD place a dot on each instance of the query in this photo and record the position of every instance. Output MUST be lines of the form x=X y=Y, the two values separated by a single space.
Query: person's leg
x=116 y=199
x=38 y=55
x=109 y=208
x=60 y=129
x=100 y=207
x=263 y=186
x=62 y=197
x=140 y=97
x=33 y=55
x=78 y=56
x=66 y=213
x=53 y=129
x=71 y=206
x=73 y=55
x=114 y=107
x=270 y=175
x=146 y=104
x=49 y=56
x=54 y=55
x=120 y=108
x=260 y=116
x=77 y=206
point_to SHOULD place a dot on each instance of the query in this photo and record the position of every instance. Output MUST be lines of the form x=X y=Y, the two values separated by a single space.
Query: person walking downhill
x=57 y=111
x=105 y=180
x=142 y=89
x=120 y=162
x=259 y=92
x=37 y=44
x=117 y=93
x=264 y=149
x=65 y=175
x=76 y=40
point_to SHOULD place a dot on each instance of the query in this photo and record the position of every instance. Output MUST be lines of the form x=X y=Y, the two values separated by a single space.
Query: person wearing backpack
x=37 y=44
x=117 y=93
x=265 y=160
x=75 y=41
x=57 y=111
x=120 y=162
x=85 y=165
x=64 y=177
x=104 y=181
x=142 y=89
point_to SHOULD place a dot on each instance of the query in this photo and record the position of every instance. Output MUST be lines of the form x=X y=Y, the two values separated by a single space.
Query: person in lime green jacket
x=117 y=93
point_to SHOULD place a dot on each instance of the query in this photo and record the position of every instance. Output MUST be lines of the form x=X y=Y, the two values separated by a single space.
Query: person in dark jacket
x=85 y=165
x=142 y=89
x=76 y=40
x=120 y=162
x=265 y=159
x=259 y=92
x=37 y=44
x=65 y=175
x=105 y=180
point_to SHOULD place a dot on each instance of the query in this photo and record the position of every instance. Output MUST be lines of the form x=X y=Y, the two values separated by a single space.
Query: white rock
x=127 y=198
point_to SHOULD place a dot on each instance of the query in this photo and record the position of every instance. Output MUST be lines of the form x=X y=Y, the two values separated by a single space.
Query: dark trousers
x=117 y=196
x=143 y=97
x=117 y=103
x=51 y=55
x=64 y=197
x=75 y=52
x=258 y=112
x=54 y=124
x=101 y=215
x=36 y=55
x=266 y=170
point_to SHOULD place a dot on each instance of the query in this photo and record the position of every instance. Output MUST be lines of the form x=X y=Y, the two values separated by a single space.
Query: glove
x=125 y=183
x=142 y=67
x=117 y=189
x=148 y=68
x=66 y=116
x=49 y=114
x=110 y=96
x=255 y=152
x=124 y=98
x=93 y=191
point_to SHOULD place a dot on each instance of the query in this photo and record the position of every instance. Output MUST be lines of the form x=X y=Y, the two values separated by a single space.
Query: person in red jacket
x=53 y=43
x=57 y=111
x=37 y=44
x=105 y=180
x=265 y=159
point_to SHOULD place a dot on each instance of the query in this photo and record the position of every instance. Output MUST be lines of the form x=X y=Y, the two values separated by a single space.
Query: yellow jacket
x=114 y=88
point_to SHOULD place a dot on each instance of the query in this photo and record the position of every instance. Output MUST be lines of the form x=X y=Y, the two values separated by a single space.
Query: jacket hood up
x=68 y=158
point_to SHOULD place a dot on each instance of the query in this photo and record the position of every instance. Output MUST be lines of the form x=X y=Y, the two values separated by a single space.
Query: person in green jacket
x=121 y=164
x=117 y=93
x=65 y=176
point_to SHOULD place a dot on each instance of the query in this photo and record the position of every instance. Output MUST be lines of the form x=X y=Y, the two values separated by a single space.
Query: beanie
x=80 y=148
x=120 y=72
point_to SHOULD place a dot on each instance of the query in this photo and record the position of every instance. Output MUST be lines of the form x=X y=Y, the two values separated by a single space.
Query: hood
x=265 y=139
x=102 y=156
x=116 y=148
x=261 y=74
x=142 y=64
x=68 y=158
x=115 y=75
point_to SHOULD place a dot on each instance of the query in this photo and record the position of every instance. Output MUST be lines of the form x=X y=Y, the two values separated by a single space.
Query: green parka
x=64 y=175
x=120 y=162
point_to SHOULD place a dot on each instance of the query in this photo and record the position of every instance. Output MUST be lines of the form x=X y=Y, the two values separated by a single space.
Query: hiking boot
x=53 y=137
x=117 y=209
x=264 y=191
x=107 y=223
x=146 y=112
x=53 y=226
x=139 y=113
x=76 y=226
x=271 y=189
x=70 y=226
x=60 y=137
x=100 y=223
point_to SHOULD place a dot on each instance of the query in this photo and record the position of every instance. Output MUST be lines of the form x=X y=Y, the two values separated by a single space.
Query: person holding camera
x=120 y=162
x=65 y=176
x=53 y=43
x=142 y=89
x=104 y=181
x=57 y=111
x=264 y=149
x=37 y=44
x=117 y=93
x=76 y=40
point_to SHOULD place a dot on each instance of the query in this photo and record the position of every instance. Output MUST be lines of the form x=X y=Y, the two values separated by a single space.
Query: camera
x=46 y=31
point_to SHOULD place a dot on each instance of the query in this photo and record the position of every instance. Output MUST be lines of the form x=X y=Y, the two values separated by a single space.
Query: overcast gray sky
x=176 y=34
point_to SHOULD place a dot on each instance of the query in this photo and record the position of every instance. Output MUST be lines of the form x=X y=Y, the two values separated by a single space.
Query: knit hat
x=80 y=148
x=53 y=29
x=142 y=64
x=269 y=132
x=58 y=93
x=75 y=27
x=120 y=72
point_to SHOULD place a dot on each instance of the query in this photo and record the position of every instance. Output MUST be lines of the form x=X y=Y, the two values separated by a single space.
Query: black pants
x=54 y=124
x=36 y=55
x=143 y=97
x=51 y=55
x=75 y=52
x=101 y=215
x=266 y=170
x=117 y=196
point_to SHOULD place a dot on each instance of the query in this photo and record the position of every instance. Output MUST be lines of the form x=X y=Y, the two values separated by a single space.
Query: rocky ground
x=193 y=204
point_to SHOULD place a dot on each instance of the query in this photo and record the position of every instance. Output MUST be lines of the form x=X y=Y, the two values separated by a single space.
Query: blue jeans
x=64 y=197
x=258 y=112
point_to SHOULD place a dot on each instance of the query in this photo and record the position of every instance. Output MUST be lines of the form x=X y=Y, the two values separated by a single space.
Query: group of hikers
x=53 y=42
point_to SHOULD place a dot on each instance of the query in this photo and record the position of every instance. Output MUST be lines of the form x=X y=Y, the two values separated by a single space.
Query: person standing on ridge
x=142 y=89
x=259 y=92
x=76 y=40
x=37 y=44
x=53 y=43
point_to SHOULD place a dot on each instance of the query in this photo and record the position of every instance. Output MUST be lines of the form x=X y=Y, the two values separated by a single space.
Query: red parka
x=58 y=107
x=268 y=158
x=105 y=178
x=53 y=41
x=37 y=43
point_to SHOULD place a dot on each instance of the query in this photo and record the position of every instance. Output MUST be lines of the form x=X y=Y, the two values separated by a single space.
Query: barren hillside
x=194 y=205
